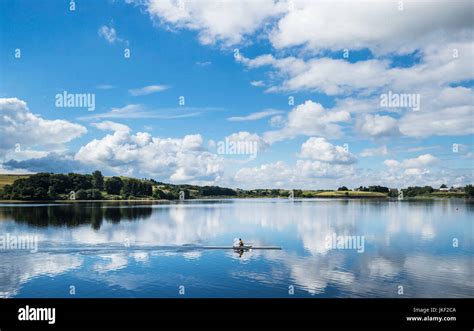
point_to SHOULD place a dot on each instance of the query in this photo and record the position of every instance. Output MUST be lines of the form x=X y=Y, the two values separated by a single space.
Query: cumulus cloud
x=339 y=25
x=448 y=121
x=351 y=25
x=322 y=150
x=377 y=126
x=437 y=67
x=374 y=151
x=277 y=121
x=414 y=166
x=310 y=119
x=331 y=76
x=304 y=174
x=250 y=141
x=227 y=22
x=173 y=159
x=20 y=126
x=327 y=162
x=444 y=111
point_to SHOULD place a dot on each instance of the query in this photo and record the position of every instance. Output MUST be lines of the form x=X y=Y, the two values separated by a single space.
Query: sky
x=244 y=94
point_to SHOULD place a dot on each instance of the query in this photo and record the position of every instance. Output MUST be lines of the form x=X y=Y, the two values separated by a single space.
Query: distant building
x=444 y=189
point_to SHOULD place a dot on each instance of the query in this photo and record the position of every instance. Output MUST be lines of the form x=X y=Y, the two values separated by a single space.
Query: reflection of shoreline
x=73 y=215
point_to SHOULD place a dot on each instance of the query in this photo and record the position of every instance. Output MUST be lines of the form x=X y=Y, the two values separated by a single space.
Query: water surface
x=152 y=250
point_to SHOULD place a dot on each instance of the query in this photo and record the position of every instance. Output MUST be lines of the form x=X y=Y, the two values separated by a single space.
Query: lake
x=143 y=249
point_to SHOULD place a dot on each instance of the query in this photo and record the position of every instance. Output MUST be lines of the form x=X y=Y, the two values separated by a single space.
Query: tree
x=94 y=194
x=6 y=192
x=159 y=194
x=469 y=190
x=80 y=181
x=81 y=194
x=413 y=191
x=97 y=180
x=378 y=188
x=393 y=193
x=443 y=186
x=343 y=188
x=135 y=187
x=113 y=185
x=62 y=183
x=52 y=194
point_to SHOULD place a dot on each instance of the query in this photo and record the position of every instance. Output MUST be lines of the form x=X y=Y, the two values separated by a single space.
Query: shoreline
x=244 y=198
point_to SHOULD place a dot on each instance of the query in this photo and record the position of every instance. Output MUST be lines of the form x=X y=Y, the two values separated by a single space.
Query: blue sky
x=335 y=67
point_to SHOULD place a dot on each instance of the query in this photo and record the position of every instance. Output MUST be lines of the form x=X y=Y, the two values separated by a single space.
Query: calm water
x=150 y=250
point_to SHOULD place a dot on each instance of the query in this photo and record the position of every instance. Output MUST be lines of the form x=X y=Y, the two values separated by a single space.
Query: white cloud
x=438 y=67
x=304 y=174
x=19 y=126
x=310 y=119
x=148 y=90
x=278 y=173
x=105 y=87
x=140 y=111
x=420 y=161
x=377 y=126
x=171 y=159
x=111 y=126
x=228 y=22
x=374 y=151
x=255 y=116
x=277 y=121
x=339 y=25
x=109 y=33
x=248 y=138
x=377 y=25
x=444 y=111
x=257 y=83
x=322 y=150
x=413 y=167
x=331 y=76
x=454 y=121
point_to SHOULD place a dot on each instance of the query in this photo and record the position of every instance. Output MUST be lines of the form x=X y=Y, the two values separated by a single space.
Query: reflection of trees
x=75 y=214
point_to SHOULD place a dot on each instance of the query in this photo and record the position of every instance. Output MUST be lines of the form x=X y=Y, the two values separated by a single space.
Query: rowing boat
x=245 y=247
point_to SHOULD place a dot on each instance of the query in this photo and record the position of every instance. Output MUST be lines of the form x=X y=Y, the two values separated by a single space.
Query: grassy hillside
x=9 y=179
x=442 y=195
x=350 y=194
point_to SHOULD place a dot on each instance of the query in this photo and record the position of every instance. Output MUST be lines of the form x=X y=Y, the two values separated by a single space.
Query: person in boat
x=241 y=243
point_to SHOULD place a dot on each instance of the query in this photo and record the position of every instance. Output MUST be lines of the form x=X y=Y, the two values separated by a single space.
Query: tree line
x=73 y=186
x=48 y=186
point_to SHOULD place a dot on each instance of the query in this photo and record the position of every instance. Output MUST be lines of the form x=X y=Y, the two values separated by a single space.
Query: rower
x=241 y=243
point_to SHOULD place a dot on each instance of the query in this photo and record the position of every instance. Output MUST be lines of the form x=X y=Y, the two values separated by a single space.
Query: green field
x=350 y=194
x=446 y=195
x=9 y=179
